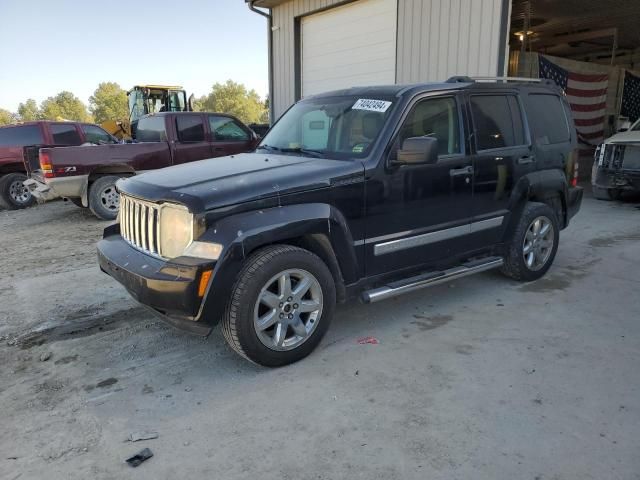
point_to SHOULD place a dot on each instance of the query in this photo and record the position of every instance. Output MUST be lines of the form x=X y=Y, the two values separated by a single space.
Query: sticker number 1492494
x=371 y=105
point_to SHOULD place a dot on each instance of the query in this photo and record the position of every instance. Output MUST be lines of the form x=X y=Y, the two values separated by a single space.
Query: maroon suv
x=13 y=139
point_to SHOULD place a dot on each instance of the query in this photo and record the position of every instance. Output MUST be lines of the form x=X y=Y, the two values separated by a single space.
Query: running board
x=431 y=278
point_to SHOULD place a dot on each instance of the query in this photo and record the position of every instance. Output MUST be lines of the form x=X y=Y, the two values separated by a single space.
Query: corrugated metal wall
x=441 y=38
x=436 y=39
x=283 y=49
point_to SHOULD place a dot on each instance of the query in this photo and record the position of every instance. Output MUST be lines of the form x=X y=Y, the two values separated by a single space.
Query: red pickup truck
x=87 y=175
x=13 y=138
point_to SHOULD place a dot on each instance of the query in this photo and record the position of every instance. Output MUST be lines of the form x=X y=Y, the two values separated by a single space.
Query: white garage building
x=320 y=45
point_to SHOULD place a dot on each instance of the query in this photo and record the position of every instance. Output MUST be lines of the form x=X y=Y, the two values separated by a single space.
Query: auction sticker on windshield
x=371 y=105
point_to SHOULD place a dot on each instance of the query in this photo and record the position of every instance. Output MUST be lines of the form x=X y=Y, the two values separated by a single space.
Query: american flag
x=587 y=95
x=631 y=97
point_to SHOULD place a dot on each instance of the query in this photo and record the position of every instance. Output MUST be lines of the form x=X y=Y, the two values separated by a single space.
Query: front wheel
x=104 y=200
x=533 y=244
x=13 y=193
x=280 y=307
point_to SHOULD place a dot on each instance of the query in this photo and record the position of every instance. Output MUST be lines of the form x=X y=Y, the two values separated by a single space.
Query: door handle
x=454 y=172
x=526 y=159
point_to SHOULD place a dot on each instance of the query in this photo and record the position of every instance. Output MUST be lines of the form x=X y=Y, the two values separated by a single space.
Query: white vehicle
x=616 y=168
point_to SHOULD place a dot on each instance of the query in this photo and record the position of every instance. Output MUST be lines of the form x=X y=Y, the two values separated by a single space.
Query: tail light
x=571 y=168
x=45 y=165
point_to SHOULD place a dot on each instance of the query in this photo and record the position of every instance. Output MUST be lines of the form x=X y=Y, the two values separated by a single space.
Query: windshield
x=332 y=127
x=177 y=101
x=636 y=126
x=136 y=105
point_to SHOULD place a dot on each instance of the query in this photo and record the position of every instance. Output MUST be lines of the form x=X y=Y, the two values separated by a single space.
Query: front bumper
x=618 y=179
x=574 y=201
x=168 y=288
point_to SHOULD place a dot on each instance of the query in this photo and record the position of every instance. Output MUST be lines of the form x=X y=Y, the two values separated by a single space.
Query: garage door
x=348 y=46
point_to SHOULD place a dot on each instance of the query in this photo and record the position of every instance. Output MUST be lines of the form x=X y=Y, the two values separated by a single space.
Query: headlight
x=176 y=230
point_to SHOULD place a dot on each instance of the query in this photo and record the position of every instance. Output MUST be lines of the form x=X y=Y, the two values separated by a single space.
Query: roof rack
x=465 y=79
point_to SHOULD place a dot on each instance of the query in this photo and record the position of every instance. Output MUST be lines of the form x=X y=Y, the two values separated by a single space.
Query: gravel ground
x=484 y=378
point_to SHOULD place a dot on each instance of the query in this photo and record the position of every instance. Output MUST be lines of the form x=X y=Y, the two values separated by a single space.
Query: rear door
x=228 y=136
x=191 y=143
x=503 y=153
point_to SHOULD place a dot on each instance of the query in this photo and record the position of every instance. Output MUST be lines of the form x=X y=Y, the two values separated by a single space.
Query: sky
x=47 y=46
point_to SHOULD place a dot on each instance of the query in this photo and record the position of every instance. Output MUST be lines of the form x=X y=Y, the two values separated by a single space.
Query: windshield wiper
x=305 y=151
x=269 y=147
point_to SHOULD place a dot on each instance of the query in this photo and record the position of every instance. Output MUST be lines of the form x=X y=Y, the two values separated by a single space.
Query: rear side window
x=225 y=129
x=65 y=134
x=21 y=136
x=497 y=120
x=548 y=119
x=190 y=128
x=151 y=129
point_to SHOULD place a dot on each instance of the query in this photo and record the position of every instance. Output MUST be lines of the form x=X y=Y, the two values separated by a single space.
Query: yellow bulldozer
x=145 y=99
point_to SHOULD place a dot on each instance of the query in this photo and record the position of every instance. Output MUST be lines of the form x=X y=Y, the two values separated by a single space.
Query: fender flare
x=539 y=185
x=244 y=233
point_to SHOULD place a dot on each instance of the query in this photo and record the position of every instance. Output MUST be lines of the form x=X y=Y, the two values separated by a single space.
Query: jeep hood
x=225 y=181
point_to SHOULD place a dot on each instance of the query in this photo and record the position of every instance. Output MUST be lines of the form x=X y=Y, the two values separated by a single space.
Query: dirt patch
x=560 y=280
x=611 y=240
x=430 y=322
x=65 y=360
x=78 y=328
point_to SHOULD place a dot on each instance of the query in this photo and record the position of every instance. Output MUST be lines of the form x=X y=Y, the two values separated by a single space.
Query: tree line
x=109 y=102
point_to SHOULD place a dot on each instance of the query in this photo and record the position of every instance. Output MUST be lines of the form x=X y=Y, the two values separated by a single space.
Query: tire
x=14 y=195
x=260 y=294
x=526 y=243
x=104 y=200
x=606 y=193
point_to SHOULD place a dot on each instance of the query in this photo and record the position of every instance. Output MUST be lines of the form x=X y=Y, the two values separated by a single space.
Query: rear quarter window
x=21 y=136
x=548 y=119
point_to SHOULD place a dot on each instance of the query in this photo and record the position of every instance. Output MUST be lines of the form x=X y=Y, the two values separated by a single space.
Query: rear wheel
x=13 y=193
x=280 y=307
x=534 y=243
x=104 y=200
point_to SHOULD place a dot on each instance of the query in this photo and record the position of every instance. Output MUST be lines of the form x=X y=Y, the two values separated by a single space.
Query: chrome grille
x=139 y=224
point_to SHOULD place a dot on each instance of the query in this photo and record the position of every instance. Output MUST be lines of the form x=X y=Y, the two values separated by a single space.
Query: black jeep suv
x=366 y=192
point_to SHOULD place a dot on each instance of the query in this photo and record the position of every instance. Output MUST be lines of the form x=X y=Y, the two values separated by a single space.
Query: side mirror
x=418 y=151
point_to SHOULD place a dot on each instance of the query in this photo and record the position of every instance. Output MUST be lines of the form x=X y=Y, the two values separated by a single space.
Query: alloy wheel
x=288 y=309
x=538 y=243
